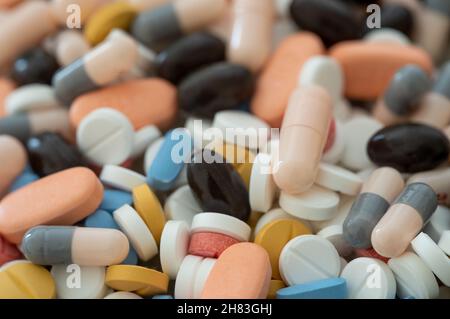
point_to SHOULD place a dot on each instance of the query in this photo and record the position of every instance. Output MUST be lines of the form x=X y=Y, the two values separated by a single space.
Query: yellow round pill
x=232 y=153
x=24 y=280
x=136 y=278
x=149 y=208
x=275 y=285
x=275 y=235
x=117 y=15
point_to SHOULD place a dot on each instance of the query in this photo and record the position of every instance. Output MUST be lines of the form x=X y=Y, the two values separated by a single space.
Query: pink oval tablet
x=63 y=198
x=242 y=272
x=210 y=245
x=13 y=159
x=144 y=102
x=8 y=251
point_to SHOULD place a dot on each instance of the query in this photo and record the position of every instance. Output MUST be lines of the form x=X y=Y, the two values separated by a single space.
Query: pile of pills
x=244 y=149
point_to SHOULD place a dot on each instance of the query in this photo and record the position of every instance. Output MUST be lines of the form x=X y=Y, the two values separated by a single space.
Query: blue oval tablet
x=333 y=288
x=114 y=199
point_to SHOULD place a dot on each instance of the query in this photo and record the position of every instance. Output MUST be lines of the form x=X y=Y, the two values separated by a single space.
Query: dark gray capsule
x=157 y=28
x=17 y=125
x=406 y=89
x=188 y=55
x=364 y=215
x=409 y=148
x=442 y=85
x=48 y=245
x=72 y=81
x=218 y=87
x=421 y=197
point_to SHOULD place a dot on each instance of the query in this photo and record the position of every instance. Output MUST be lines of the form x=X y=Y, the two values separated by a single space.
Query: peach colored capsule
x=251 y=35
x=13 y=159
x=6 y=87
x=144 y=102
x=27 y=25
x=404 y=220
x=242 y=272
x=302 y=139
x=280 y=76
x=369 y=66
x=63 y=198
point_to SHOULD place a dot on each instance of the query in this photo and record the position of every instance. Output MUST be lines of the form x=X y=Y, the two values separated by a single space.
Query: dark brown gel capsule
x=409 y=148
x=50 y=153
x=188 y=55
x=217 y=186
x=221 y=86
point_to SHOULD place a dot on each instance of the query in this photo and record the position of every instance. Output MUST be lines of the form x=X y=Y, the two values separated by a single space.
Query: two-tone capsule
x=378 y=192
x=159 y=27
x=404 y=220
x=403 y=96
x=53 y=245
x=108 y=62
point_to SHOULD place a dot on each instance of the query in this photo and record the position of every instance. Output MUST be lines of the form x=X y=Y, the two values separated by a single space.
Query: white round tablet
x=123 y=295
x=325 y=72
x=438 y=223
x=137 y=232
x=334 y=234
x=317 y=203
x=105 y=136
x=143 y=138
x=387 y=35
x=222 y=224
x=343 y=264
x=32 y=97
x=369 y=278
x=357 y=133
x=197 y=128
x=174 y=246
x=444 y=242
x=191 y=277
x=342 y=110
x=345 y=204
x=241 y=128
x=121 y=178
x=413 y=277
x=338 y=179
x=182 y=205
x=308 y=258
x=262 y=190
x=432 y=256
x=334 y=154
x=77 y=282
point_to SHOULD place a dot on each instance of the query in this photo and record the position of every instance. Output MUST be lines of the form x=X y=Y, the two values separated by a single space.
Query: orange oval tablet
x=369 y=66
x=144 y=102
x=13 y=159
x=280 y=77
x=242 y=272
x=6 y=87
x=63 y=198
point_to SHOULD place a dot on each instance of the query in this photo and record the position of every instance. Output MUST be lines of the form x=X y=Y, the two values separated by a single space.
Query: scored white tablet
x=338 y=179
x=433 y=257
x=174 y=246
x=308 y=258
x=413 y=277
x=222 y=224
x=137 y=232
x=315 y=204
x=262 y=190
x=369 y=278
x=182 y=205
x=121 y=178
x=191 y=278
x=105 y=136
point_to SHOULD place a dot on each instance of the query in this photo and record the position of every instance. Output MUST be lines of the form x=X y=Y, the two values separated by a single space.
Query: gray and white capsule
x=54 y=245
x=159 y=27
x=377 y=193
x=403 y=95
x=404 y=220
x=108 y=62
x=434 y=108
